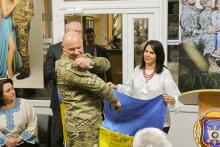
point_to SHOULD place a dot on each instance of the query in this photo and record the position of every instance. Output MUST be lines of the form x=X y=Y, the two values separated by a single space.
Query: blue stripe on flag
x=135 y=114
x=59 y=97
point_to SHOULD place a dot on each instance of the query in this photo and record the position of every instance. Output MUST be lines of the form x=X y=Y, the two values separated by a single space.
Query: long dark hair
x=160 y=55
x=2 y=83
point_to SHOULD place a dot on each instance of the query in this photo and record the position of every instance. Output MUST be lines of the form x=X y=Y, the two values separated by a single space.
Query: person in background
x=115 y=44
x=207 y=35
x=151 y=137
x=96 y=51
x=189 y=21
x=215 y=19
x=82 y=91
x=54 y=53
x=8 y=51
x=18 y=125
x=21 y=17
x=151 y=79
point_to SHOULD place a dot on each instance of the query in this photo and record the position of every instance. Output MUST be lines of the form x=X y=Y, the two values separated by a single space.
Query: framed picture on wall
x=198 y=61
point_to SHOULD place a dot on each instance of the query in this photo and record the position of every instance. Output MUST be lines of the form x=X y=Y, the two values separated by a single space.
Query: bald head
x=74 y=26
x=73 y=45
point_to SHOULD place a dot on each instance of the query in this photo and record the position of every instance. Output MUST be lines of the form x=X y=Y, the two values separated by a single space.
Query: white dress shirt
x=160 y=84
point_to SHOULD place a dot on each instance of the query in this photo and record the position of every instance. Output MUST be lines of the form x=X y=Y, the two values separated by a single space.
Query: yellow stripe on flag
x=65 y=137
x=108 y=138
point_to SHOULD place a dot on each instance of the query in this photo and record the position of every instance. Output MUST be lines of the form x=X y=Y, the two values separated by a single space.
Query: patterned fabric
x=22 y=44
x=9 y=115
x=81 y=93
x=140 y=88
x=20 y=120
x=202 y=34
x=189 y=21
x=21 y=17
x=23 y=13
x=84 y=138
x=5 y=30
x=134 y=114
x=215 y=19
x=98 y=51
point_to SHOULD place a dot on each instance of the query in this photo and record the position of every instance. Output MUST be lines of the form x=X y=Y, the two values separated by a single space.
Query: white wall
x=182 y=123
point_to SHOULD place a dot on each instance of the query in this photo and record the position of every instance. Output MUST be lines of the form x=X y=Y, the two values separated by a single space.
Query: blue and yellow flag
x=135 y=114
x=65 y=137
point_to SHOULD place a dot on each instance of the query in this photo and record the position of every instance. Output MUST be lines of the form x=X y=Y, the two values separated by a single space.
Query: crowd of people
x=200 y=27
x=78 y=74
x=78 y=82
x=73 y=77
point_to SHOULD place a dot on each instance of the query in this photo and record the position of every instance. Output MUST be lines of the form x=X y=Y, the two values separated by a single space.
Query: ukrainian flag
x=134 y=115
x=65 y=137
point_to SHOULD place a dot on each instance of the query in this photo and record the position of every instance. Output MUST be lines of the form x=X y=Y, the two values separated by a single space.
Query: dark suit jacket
x=54 y=53
x=100 y=52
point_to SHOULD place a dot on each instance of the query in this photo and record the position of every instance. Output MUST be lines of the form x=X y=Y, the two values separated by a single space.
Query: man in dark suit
x=54 y=53
x=97 y=51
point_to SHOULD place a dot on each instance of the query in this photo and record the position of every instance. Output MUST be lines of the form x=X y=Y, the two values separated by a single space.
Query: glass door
x=140 y=29
x=121 y=27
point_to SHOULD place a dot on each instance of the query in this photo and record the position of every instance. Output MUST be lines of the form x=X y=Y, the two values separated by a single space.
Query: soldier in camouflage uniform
x=203 y=34
x=206 y=35
x=21 y=17
x=82 y=91
x=196 y=25
x=189 y=21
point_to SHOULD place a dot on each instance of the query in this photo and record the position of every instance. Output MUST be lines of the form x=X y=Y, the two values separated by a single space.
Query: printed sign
x=109 y=138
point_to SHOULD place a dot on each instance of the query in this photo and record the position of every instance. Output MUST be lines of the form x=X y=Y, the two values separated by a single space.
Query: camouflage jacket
x=204 y=21
x=189 y=21
x=82 y=92
x=23 y=13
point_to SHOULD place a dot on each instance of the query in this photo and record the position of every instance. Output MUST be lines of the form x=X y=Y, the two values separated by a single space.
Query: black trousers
x=56 y=130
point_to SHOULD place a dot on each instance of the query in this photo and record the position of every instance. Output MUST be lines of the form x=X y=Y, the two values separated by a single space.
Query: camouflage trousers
x=84 y=139
x=22 y=33
x=206 y=41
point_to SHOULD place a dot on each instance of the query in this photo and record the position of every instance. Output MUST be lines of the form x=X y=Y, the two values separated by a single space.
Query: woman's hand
x=110 y=84
x=117 y=106
x=169 y=99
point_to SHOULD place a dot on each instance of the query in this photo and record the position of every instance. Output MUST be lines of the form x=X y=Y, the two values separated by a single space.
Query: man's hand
x=112 y=85
x=82 y=62
x=117 y=106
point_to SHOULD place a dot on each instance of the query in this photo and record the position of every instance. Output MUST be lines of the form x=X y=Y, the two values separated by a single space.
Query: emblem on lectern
x=206 y=130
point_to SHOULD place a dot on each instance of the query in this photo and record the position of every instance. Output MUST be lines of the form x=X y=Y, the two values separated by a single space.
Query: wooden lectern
x=205 y=99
